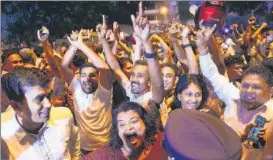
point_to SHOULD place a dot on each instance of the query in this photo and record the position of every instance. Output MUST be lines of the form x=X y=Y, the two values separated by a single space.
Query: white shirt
x=228 y=93
x=57 y=139
x=143 y=100
x=93 y=113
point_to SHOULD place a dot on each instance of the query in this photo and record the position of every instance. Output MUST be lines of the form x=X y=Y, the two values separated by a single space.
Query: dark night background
x=21 y=19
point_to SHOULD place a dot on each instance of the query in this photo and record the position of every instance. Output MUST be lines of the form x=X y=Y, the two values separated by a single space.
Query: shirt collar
x=22 y=133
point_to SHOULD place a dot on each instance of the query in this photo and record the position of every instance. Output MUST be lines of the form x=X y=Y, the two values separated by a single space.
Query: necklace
x=27 y=130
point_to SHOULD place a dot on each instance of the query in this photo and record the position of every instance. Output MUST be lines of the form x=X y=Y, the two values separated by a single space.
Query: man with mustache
x=92 y=95
x=243 y=104
x=34 y=129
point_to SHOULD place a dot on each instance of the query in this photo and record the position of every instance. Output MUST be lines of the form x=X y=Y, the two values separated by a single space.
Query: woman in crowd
x=134 y=136
x=191 y=92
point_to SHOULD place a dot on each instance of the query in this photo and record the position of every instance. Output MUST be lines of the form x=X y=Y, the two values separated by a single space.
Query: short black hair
x=26 y=55
x=141 y=62
x=171 y=65
x=268 y=63
x=8 y=53
x=79 y=59
x=14 y=82
x=261 y=71
x=123 y=60
x=87 y=65
x=235 y=59
x=64 y=44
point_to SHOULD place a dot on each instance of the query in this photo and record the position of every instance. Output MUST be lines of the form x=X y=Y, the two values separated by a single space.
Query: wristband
x=186 y=45
x=150 y=55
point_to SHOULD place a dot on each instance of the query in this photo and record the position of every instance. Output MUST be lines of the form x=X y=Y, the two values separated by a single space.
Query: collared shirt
x=143 y=100
x=93 y=114
x=57 y=139
x=233 y=116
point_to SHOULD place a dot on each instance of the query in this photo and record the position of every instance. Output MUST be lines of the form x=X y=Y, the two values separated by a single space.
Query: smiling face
x=254 y=92
x=36 y=106
x=89 y=79
x=12 y=62
x=131 y=129
x=63 y=49
x=191 y=97
x=169 y=78
x=139 y=79
x=127 y=68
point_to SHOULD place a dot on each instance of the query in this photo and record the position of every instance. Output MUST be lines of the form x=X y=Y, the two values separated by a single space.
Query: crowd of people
x=194 y=94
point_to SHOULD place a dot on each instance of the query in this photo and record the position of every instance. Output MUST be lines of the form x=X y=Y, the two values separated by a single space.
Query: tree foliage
x=61 y=17
x=243 y=7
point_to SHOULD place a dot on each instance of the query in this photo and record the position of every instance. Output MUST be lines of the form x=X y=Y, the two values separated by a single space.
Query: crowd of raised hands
x=133 y=96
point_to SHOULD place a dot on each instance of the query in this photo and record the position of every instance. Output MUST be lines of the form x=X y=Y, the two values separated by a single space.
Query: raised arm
x=167 y=50
x=178 y=50
x=142 y=31
x=96 y=60
x=116 y=31
x=43 y=35
x=67 y=59
x=137 y=49
x=110 y=58
x=225 y=90
x=191 y=58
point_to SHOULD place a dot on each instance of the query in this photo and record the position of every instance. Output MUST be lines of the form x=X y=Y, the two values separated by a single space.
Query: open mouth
x=88 y=85
x=132 y=138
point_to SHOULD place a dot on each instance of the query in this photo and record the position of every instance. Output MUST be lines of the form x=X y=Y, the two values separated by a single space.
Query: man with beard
x=243 y=104
x=34 y=129
x=145 y=81
x=92 y=95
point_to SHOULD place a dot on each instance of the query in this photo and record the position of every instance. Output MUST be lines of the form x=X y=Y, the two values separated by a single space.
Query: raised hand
x=75 y=39
x=84 y=33
x=43 y=34
x=203 y=36
x=234 y=26
x=110 y=35
x=252 y=20
x=140 y=9
x=116 y=30
x=175 y=27
x=141 y=27
x=101 y=29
